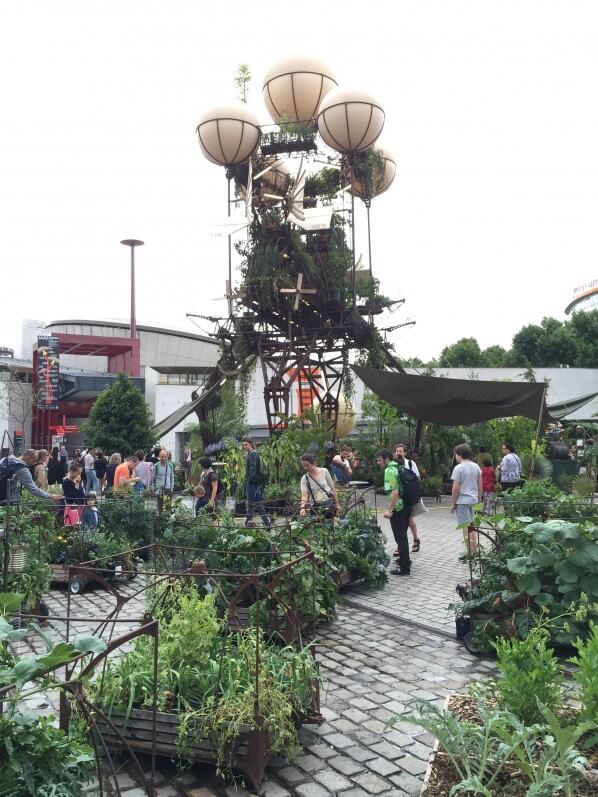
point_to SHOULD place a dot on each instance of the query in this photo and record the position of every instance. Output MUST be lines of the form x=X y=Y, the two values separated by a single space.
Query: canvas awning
x=453 y=402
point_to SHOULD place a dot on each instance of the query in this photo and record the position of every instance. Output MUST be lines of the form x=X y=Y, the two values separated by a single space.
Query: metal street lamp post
x=132 y=242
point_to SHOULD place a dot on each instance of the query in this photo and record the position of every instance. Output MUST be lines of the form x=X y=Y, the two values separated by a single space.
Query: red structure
x=122 y=355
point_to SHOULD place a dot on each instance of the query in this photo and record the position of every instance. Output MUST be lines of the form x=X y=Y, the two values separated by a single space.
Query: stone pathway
x=386 y=649
x=424 y=596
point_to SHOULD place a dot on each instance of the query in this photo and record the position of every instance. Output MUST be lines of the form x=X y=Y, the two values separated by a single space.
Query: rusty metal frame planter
x=154 y=731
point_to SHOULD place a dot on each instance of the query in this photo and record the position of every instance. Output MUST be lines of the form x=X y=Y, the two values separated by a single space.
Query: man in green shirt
x=397 y=512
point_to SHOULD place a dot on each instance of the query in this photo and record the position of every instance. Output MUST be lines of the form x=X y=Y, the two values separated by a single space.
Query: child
x=488 y=485
x=91 y=516
x=200 y=493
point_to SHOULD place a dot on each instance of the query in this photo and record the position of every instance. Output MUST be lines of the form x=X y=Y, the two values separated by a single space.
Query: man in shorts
x=467 y=491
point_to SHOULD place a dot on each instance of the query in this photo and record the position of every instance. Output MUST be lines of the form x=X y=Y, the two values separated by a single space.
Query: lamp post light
x=132 y=243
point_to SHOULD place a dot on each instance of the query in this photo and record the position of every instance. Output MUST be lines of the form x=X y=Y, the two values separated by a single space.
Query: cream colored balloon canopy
x=350 y=121
x=383 y=174
x=294 y=88
x=229 y=134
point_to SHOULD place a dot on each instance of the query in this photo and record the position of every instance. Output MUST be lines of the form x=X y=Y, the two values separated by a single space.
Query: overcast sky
x=491 y=111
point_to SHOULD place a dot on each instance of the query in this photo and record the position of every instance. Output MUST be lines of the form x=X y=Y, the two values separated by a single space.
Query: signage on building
x=48 y=372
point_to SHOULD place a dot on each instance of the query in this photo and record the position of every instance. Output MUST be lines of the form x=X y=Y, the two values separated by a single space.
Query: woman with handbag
x=317 y=490
x=74 y=496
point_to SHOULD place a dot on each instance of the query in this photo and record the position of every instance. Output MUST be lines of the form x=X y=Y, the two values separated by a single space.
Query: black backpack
x=411 y=493
x=263 y=473
x=8 y=468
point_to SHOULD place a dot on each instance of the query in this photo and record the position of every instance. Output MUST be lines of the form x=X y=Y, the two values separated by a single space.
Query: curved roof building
x=585 y=297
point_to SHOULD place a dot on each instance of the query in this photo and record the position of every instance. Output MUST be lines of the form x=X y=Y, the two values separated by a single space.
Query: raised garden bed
x=441 y=776
x=250 y=753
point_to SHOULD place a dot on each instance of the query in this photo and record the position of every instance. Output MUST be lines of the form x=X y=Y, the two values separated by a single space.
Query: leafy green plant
x=209 y=676
x=530 y=673
x=33 y=581
x=42 y=760
x=536 y=572
x=495 y=750
x=586 y=676
x=476 y=749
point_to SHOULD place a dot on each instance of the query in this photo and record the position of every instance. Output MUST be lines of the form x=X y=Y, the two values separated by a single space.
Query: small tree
x=120 y=419
x=242 y=80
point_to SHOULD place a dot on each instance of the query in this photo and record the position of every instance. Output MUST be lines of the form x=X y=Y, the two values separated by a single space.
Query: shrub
x=41 y=760
x=530 y=673
x=587 y=674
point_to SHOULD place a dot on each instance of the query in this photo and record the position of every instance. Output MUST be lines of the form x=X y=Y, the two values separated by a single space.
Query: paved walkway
x=385 y=649
x=422 y=598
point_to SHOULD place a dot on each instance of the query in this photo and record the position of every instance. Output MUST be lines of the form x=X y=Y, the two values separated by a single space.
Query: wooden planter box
x=250 y=753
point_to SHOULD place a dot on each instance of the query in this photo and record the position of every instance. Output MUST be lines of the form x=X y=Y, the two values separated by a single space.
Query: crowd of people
x=83 y=477
x=88 y=474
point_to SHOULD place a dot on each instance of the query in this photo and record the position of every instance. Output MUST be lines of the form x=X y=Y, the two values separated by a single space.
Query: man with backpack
x=409 y=464
x=399 y=508
x=255 y=479
x=17 y=469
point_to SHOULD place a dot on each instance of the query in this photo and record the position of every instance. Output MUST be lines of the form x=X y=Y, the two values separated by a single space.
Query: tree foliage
x=120 y=419
x=464 y=353
x=550 y=344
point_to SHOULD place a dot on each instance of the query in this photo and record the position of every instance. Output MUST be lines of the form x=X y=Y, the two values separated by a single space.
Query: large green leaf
x=544 y=557
x=569 y=572
x=11 y=602
x=60 y=654
x=519 y=565
x=24 y=670
x=529 y=583
x=589 y=585
x=585 y=554
x=85 y=643
x=10 y=634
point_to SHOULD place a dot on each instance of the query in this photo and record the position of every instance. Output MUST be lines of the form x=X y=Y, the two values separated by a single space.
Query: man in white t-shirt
x=403 y=462
x=92 y=483
x=467 y=491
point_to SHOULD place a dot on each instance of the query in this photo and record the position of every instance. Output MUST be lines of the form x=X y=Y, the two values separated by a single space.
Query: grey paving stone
x=382 y=766
x=362 y=702
x=310 y=763
x=419 y=751
x=339 y=740
x=332 y=780
x=407 y=782
x=346 y=765
x=355 y=793
x=344 y=726
x=291 y=775
x=387 y=750
x=413 y=765
x=271 y=789
x=355 y=715
x=322 y=750
x=201 y=792
x=359 y=753
x=371 y=783
x=312 y=790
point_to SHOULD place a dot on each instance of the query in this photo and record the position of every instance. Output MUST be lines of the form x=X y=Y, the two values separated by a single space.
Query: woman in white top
x=317 y=489
x=509 y=468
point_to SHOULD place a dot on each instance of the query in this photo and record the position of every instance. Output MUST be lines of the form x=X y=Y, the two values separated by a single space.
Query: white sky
x=490 y=109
